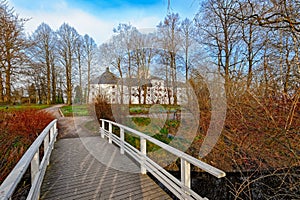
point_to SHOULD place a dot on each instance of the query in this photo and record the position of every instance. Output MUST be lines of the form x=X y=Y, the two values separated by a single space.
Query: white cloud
x=98 y=25
x=83 y=22
x=147 y=22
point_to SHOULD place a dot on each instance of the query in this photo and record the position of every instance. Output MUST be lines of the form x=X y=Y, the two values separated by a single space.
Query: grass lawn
x=23 y=107
x=144 y=109
x=75 y=110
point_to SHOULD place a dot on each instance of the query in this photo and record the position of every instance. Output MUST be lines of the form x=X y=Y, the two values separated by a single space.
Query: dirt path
x=74 y=127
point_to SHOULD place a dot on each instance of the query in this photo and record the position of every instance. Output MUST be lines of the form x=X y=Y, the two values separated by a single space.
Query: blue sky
x=98 y=17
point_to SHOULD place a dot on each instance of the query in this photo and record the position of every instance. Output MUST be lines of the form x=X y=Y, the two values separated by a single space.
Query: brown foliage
x=103 y=108
x=260 y=141
x=258 y=134
x=18 y=130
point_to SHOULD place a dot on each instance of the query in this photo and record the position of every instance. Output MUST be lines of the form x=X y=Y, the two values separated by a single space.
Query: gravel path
x=74 y=127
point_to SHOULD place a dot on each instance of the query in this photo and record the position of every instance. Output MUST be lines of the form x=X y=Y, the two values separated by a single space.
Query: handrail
x=31 y=156
x=182 y=189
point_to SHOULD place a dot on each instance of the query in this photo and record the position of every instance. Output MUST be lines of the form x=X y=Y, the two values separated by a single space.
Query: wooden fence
x=180 y=188
x=32 y=157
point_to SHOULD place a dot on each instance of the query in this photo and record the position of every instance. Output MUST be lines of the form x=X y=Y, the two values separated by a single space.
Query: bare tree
x=276 y=14
x=220 y=33
x=251 y=37
x=144 y=53
x=79 y=53
x=90 y=50
x=127 y=34
x=168 y=31
x=67 y=40
x=43 y=52
x=12 y=49
x=279 y=18
x=112 y=53
x=187 y=31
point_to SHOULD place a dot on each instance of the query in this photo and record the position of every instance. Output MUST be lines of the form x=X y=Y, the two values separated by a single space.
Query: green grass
x=141 y=121
x=138 y=109
x=9 y=108
x=159 y=133
x=75 y=110
x=144 y=109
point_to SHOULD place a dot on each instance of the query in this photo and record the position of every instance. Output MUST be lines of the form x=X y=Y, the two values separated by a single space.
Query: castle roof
x=107 y=78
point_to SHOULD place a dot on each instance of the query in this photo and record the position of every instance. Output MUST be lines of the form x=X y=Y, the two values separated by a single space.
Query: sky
x=97 y=18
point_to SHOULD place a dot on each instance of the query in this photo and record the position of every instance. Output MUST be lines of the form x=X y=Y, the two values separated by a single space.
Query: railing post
x=103 y=128
x=46 y=145
x=143 y=143
x=54 y=130
x=35 y=163
x=51 y=134
x=185 y=174
x=110 y=133
x=122 y=140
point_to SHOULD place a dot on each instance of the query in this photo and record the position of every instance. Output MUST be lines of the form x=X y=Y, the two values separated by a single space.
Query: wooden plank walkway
x=76 y=171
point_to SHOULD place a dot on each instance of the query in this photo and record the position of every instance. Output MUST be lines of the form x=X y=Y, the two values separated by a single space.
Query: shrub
x=18 y=130
x=103 y=108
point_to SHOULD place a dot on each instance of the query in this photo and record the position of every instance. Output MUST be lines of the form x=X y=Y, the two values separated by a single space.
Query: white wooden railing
x=181 y=189
x=31 y=157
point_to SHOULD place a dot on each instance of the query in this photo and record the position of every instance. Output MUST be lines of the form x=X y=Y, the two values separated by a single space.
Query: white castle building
x=149 y=90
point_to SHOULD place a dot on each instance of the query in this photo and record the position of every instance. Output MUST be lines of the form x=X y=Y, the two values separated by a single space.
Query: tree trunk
x=80 y=79
x=145 y=94
x=227 y=61
x=1 y=86
x=186 y=66
x=129 y=75
x=250 y=59
x=122 y=82
x=288 y=69
x=7 y=97
x=89 y=80
x=53 y=83
x=48 y=78
x=266 y=82
x=69 y=80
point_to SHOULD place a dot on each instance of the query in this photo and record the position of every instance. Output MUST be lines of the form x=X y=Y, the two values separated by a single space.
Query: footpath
x=85 y=166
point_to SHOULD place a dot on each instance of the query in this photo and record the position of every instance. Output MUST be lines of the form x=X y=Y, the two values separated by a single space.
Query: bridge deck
x=90 y=168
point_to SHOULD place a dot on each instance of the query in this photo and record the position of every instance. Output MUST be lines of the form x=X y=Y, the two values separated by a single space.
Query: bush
x=103 y=108
x=18 y=130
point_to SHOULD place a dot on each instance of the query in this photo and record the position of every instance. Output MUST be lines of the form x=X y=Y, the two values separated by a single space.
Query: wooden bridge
x=92 y=167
